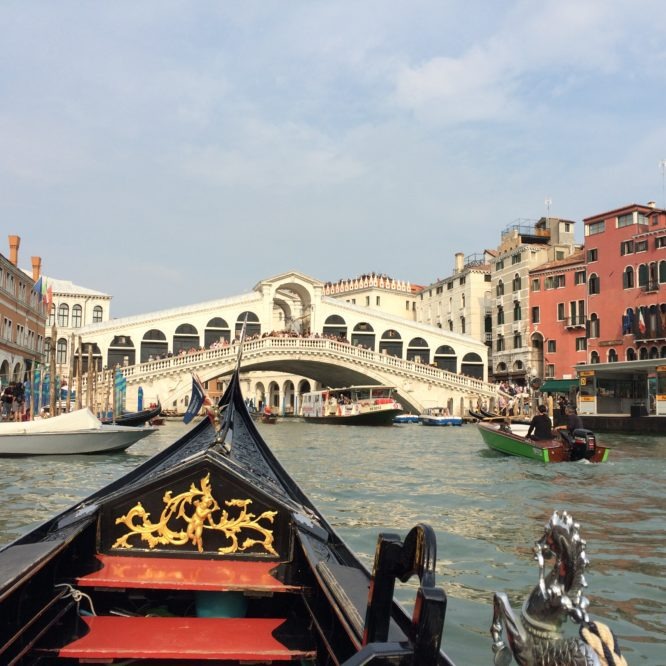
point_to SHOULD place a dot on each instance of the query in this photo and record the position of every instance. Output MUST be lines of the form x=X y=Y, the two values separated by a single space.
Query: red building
x=558 y=297
x=625 y=256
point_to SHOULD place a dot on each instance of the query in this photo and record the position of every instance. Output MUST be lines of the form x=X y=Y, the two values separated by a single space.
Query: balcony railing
x=652 y=285
x=577 y=321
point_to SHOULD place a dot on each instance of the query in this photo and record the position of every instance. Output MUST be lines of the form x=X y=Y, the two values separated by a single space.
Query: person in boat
x=540 y=426
x=573 y=422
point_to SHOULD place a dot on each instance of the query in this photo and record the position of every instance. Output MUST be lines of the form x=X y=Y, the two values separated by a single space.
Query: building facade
x=22 y=317
x=523 y=246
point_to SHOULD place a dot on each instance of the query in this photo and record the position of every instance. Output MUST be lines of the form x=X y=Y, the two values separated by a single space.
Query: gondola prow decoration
x=536 y=638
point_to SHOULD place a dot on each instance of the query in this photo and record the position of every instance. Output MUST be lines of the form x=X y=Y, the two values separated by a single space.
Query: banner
x=197 y=400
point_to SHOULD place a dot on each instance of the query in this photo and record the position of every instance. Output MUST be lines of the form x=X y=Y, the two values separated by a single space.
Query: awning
x=558 y=385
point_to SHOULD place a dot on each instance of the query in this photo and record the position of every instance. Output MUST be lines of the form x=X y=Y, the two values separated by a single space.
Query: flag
x=49 y=296
x=198 y=399
x=37 y=287
x=641 y=321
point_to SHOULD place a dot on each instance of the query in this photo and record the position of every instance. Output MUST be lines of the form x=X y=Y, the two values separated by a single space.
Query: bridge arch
x=121 y=351
x=472 y=365
x=391 y=343
x=335 y=326
x=418 y=351
x=217 y=331
x=446 y=359
x=154 y=344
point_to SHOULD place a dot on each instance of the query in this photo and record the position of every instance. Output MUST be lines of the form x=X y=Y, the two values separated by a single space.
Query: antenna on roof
x=548 y=202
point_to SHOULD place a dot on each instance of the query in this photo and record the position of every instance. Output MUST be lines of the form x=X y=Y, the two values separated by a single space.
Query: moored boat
x=77 y=432
x=148 y=415
x=406 y=418
x=500 y=434
x=353 y=405
x=439 y=416
x=209 y=552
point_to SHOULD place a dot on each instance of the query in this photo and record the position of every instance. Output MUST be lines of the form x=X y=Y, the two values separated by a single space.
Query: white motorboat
x=74 y=432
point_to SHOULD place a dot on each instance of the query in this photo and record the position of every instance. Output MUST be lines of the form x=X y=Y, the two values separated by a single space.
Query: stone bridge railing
x=315 y=347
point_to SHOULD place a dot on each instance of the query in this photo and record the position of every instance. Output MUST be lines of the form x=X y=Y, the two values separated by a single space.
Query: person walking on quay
x=7 y=399
x=541 y=425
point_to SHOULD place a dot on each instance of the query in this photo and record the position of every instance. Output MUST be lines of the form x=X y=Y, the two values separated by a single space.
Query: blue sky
x=174 y=152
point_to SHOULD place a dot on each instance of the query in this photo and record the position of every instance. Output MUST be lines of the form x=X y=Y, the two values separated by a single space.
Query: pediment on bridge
x=285 y=278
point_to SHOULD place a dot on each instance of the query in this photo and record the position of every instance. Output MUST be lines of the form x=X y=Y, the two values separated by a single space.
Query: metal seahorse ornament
x=536 y=638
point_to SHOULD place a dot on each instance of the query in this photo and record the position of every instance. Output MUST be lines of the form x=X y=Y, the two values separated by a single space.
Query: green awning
x=558 y=385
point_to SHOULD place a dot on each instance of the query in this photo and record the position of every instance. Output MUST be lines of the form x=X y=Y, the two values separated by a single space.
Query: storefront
x=634 y=388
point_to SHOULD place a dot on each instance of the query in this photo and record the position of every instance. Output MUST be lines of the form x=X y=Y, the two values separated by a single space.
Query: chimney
x=36 y=268
x=652 y=204
x=14 y=242
x=460 y=262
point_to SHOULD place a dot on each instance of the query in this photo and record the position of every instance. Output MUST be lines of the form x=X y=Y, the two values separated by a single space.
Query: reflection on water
x=487 y=510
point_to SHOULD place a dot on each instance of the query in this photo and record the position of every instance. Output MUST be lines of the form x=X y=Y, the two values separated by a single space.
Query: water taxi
x=353 y=405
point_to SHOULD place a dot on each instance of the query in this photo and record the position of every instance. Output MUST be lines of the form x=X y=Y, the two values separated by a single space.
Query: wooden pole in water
x=79 y=375
x=89 y=379
x=72 y=360
x=52 y=372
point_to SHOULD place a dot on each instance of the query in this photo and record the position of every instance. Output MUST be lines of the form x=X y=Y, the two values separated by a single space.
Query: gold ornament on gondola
x=198 y=509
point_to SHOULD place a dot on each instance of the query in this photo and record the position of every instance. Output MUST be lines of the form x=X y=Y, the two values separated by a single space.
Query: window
x=559 y=281
x=560 y=312
x=500 y=315
x=596 y=228
x=367 y=300
x=52 y=315
x=641 y=246
x=535 y=315
x=462 y=325
x=592 y=255
x=500 y=343
x=628 y=278
x=549 y=282
x=612 y=356
x=517 y=311
x=626 y=247
x=516 y=282
x=76 y=316
x=97 y=314
x=449 y=285
x=500 y=288
x=594 y=326
x=63 y=315
x=515 y=258
x=662 y=271
x=499 y=265
x=625 y=220
x=552 y=346
x=581 y=344
x=642 y=275
x=407 y=306
x=594 y=357
x=559 y=254
x=536 y=284
x=61 y=352
x=593 y=284
x=660 y=242
x=378 y=300
x=550 y=370
x=579 y=277
x=517 y=340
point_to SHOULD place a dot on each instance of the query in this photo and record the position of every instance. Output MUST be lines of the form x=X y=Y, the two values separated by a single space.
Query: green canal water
x=487 y=510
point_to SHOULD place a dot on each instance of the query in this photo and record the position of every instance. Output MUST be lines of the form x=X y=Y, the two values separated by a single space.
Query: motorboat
x=353 y=405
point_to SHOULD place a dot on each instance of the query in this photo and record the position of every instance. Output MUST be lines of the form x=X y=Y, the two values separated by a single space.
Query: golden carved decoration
x=197 y=508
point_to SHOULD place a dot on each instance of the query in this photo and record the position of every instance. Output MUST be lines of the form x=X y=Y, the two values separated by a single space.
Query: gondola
x=209 y=552
x=134 y=418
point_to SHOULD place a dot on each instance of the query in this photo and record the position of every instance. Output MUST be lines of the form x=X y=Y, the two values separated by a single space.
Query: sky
x=169 y=152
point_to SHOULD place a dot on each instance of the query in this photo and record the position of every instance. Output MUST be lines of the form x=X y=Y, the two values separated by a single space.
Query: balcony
x=577 y=321
x=650 y=287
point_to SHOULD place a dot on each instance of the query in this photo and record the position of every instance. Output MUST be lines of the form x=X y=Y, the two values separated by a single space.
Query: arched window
x=63 y=315
x=77 y=316
x=517 y=282
x=500 y=343
x=593 y=284
x=363 y=335
x=631 y=354
x=594 y=357
x=628 y=278
x=445 y=358
x=642 y=275
x=594 y=326
x=61 y=352
x=517 y=311
x=643 y=353
x=662 y=271
x=97 y=314
x=612 y=356
x=500 y=288
x=654 y=352
x=517 y=340
x=500 y=315
x=472 y=365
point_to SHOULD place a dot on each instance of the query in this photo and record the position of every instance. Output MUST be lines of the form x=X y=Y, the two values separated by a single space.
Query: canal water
x=487 y=511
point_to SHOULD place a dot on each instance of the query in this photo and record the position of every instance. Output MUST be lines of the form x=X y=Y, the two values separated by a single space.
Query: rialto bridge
x=298 y=338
